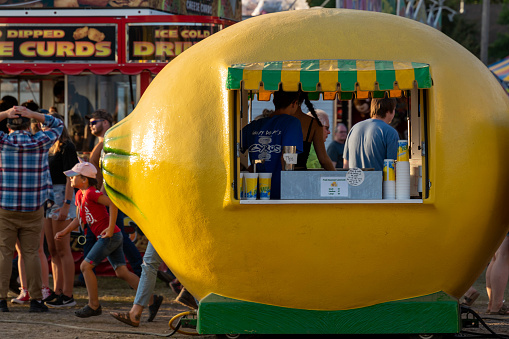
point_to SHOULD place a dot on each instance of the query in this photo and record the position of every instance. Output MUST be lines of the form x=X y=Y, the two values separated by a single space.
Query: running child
x=91 y=205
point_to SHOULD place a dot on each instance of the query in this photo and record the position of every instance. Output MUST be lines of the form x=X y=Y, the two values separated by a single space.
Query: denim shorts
x=110 y=248
x=59 y=191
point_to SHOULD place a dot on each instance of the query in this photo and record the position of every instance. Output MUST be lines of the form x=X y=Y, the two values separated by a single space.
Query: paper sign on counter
x=334 y=187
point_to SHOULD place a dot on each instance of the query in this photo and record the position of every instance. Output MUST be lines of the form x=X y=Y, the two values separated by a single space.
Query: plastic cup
x=402 y=150
x=251 y=185
x=389 y=174
x=264 y=185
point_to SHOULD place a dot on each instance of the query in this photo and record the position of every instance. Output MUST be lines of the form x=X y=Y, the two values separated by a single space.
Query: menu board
x=162 y=42
x=58 y=43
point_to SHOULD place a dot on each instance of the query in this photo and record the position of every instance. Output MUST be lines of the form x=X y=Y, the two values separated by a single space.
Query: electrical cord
x=180 y=316
x=468 y=310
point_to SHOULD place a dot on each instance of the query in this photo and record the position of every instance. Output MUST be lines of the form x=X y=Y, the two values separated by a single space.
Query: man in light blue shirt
x=371 y=141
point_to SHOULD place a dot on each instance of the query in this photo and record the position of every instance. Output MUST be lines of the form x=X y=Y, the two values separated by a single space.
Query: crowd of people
x=46 y=192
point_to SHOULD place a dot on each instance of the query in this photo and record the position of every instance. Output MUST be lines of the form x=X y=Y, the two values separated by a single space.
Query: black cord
x=176 y=328
x=468 y=310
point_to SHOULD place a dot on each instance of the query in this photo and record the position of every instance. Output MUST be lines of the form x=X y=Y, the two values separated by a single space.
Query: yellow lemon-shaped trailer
x=170 y=166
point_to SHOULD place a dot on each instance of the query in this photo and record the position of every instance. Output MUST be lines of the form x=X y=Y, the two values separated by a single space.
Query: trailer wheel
x=426 y=336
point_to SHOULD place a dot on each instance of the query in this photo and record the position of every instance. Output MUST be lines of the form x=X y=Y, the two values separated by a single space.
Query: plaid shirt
x=25 y=181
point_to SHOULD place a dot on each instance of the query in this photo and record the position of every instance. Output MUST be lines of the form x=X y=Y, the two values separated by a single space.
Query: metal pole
x=485 y=30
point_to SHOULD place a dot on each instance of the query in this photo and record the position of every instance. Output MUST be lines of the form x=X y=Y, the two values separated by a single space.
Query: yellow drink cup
x=251 y=185
x=389 y=173
x=402 y=150
x=264 y=184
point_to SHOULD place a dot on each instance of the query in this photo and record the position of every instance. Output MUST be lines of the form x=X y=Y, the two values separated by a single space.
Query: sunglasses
x=92 y=123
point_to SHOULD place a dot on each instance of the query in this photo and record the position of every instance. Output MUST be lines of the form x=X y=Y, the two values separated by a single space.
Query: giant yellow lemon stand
x=326 y=266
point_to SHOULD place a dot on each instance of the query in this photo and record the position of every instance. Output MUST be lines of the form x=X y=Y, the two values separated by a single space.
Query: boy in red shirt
x=91 y=206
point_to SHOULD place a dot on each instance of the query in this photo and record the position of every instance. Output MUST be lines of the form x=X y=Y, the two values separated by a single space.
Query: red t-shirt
x=93 y=213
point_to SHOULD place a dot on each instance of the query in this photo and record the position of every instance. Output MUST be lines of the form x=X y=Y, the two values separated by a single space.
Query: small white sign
x=334 y=187
x=290 y=158
x=355 y=176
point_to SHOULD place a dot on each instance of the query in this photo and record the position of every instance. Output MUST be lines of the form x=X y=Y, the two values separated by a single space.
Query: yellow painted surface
x=328 y=257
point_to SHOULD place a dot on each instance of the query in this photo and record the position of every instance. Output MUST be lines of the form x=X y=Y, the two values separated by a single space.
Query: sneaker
x=3 y=306
x=52 y=297
x=37 y=306
x=22 y=298
x=87 y=311
x=46 y=292
x=185 y=298
x=62 y=301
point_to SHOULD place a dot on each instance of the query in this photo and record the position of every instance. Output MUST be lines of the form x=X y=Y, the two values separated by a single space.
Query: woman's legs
x=498 y=276
x=65 y=258
x=55 y=259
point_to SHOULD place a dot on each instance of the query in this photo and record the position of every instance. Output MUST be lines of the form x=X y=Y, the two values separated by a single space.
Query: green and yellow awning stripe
x=329 y=75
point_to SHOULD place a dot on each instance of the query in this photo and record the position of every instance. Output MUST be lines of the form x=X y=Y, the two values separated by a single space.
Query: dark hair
x=57 y=146
x=31 y=105
x=10 y=100
x=304 y=97
x=380 y=107
x=91 y=181
x=284 y=99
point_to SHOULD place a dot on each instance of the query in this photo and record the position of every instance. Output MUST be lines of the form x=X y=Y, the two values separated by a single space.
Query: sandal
x=88 y=311
x=468 y=301
x=125 y=318
x=154 y=308
x=502 y=311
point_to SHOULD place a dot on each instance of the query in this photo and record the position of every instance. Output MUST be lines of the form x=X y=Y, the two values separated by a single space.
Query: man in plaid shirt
x=25 y=186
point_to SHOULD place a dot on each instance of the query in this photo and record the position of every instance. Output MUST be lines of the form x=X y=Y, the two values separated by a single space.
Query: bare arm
x=320 y=150
x=345 y=164
x=113 y=211
x=72 y=226
x=95 y=158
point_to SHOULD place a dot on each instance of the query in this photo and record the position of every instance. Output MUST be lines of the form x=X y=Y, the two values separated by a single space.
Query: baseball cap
x=84 y=168
x=100 y=114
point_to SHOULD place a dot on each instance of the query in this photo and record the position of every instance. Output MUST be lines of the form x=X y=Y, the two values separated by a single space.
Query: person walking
x=92 y=210
x=25 y=186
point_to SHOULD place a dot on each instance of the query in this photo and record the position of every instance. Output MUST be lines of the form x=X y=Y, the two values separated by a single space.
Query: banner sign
x=58 y=43
x=161 y=42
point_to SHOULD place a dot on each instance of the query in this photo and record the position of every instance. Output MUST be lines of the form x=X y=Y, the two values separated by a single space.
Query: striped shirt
x=25 y=181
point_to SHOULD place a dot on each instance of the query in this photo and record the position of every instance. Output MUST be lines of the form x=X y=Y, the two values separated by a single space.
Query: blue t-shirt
x=369 y=142
x=265 y=138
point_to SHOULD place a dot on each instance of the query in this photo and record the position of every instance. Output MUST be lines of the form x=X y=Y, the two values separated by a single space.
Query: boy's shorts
x=110 y=248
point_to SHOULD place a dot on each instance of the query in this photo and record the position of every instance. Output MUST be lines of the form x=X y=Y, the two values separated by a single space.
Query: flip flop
x=152 y=309
x=468 y=301
x=502 y=311
x=124 y=317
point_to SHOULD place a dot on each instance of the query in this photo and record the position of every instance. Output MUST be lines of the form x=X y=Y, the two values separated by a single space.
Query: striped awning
x=329 y=75
x=501 y=69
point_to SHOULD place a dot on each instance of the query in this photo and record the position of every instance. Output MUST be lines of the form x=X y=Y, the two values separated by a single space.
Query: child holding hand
x=91 y=205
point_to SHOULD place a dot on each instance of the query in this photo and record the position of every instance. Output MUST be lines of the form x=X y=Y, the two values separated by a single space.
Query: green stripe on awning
x=377 y=75
x=271 y=75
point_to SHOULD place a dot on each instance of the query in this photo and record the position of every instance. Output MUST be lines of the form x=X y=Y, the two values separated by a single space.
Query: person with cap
x=91 y=204
x=25 y=187
x=100 y=121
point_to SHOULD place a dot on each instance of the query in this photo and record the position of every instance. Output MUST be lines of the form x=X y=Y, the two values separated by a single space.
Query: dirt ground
x=115 y=295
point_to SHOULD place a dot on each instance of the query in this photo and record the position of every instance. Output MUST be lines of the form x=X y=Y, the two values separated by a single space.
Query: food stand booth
x=314 y=265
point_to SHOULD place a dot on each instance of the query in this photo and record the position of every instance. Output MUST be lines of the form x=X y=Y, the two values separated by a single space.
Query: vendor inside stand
x=265 y=138
x=371 y=141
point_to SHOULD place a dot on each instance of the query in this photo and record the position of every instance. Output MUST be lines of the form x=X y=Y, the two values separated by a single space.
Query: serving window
x=343 y=80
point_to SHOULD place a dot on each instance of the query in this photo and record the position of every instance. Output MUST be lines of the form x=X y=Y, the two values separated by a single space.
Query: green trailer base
x=431 y=314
